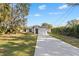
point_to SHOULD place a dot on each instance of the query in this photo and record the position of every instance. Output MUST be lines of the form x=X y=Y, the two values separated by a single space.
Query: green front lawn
x=71 y=40
x=17 y=45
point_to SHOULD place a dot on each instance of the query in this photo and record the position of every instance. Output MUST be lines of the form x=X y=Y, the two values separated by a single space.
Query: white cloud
x=63 y=7
x=42 y=7
x=37 y=15
x=54 y=13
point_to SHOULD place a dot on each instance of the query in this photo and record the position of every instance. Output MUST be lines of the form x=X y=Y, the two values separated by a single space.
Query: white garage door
x=42 y=31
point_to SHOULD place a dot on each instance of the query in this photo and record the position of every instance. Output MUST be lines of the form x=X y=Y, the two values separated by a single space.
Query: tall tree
x=20 y=11
x=4 y=15
x=4 y=11
x=13 y=16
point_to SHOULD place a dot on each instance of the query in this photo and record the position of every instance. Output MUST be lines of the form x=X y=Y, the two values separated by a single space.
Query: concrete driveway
x=50 y=46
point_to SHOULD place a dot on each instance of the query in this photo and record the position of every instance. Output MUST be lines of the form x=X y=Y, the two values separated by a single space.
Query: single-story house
x=38 y=29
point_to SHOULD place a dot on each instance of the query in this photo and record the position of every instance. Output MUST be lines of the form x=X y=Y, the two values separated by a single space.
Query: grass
x=17 y=45
x=71 y=40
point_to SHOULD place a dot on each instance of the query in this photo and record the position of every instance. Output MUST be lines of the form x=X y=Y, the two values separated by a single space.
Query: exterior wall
x=49 y=30
x=42 y=31
x=34 y=29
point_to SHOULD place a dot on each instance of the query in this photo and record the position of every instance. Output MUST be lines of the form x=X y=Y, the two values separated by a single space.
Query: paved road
x=49 y=46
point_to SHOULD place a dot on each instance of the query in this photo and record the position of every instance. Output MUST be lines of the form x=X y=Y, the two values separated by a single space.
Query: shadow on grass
x=25 y=48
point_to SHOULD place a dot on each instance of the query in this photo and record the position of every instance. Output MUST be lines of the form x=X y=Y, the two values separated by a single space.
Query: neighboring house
x=34 y=29
x=38 y=29
x=24 y=30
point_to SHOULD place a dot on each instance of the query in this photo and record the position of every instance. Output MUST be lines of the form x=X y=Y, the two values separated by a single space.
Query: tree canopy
x=13 y=16
x=46 y=25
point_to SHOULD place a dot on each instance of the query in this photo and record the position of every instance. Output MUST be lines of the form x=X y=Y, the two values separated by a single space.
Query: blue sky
x=56 y=14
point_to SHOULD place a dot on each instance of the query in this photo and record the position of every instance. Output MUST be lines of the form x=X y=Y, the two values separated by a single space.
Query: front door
x=36 y=31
